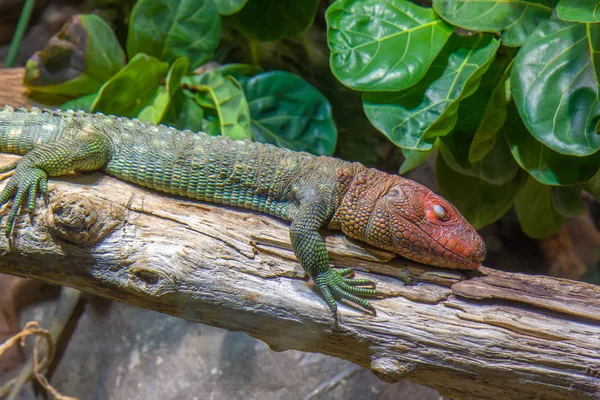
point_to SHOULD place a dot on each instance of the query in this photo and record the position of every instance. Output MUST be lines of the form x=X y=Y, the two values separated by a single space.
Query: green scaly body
x=307 y=190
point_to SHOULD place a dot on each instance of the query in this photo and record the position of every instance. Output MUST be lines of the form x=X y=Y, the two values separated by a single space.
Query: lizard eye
x=440 y=212
x=394 y=193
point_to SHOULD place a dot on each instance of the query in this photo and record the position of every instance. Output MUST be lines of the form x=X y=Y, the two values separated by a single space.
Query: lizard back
x=221 y=170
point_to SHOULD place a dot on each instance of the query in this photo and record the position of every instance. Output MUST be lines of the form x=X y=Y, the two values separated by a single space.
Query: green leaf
x=414 y=158
x=555 y=86
x=515 y=19
x=471 y=112
x=228 y=7
x=593 y=186
x=579 y=10
x=481 y=203
x=132 y=88
x=535 y=210
x=156 y=111
x=83 y=103
x=493 y=118
x=77 y=60
x=567 y=200
x=226 y=96
x=178 y=69
x=270 y=20
x=472 y=108
x=543 y=163
x=184 y=112
x=211 y=126
x=382 y=45
x=497 y=167
x=168 y=29
x=415 y=117
x=289 y=112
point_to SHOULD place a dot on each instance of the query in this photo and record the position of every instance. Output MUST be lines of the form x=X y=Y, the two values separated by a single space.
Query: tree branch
x=488 y=334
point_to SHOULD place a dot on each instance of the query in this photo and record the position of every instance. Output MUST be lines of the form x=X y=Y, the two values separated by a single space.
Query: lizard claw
x=335 y=283
x=24 y=184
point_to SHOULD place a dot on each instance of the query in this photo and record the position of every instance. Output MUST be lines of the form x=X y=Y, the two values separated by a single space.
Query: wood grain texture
x=489 y=334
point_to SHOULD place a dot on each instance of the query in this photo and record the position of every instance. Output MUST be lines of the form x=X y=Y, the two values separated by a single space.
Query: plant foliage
x=510 y=99
x=166 y=40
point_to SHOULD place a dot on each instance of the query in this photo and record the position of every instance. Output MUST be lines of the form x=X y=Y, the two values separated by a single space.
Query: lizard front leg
x=88 y=152
x=311 y=252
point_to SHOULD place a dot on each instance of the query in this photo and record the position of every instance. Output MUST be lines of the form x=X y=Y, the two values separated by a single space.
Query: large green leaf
x=480 y=202
x=184 y=112
x=414 y=158
x=225 y=95
x=383 y=45
x=543 y=163
x=535 y=210
x=132 y=88
x=77 y=60
x=415 y=117
x=555 y=86
x=178 y=69
x=516 y=19
x=228 y=7
x=497 y=167
x=156 y=110
x=169 y=29
x=211 y=125
x=566 y=200
x=473 y=131
x=472 y=108
x=579 y=10
x=270 y=20
x=289 y=112
x=494 y=115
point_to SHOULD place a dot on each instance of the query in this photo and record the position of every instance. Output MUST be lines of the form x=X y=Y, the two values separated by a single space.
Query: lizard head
x=403 y=216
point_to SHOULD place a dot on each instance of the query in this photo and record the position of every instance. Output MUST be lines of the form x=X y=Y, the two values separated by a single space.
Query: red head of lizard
x=397 y=214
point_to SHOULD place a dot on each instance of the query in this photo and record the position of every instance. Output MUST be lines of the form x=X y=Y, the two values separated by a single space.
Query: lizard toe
x=343 y=294
x=333 y=282
x=359 y=282
x=22 y=185
x=329 y=299
x=345 y=272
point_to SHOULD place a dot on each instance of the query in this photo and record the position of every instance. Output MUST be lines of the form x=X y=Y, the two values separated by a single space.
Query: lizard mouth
x=452 y=259
x=437 y=254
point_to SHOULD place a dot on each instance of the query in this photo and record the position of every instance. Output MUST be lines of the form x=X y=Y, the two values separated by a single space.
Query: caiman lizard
x=384 y=210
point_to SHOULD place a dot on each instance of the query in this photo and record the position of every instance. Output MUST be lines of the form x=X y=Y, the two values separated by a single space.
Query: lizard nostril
x=479 y=251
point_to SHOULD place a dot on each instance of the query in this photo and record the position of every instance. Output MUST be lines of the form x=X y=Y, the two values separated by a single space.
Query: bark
x=484 y=334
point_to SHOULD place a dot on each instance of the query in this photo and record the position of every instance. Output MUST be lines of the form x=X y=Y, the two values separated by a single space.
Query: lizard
x=313 y=192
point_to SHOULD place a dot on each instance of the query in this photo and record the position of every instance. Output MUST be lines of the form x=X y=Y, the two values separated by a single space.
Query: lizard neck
x=360 y=188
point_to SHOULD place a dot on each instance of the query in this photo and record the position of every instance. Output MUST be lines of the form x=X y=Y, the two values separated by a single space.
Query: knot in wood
x=390 y=369
x=146 y=276
x=72 y=220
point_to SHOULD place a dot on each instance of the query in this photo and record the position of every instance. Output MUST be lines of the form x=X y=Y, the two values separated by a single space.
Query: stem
x=19 y=33
x=253 y=51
